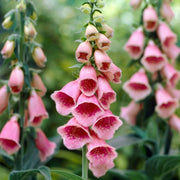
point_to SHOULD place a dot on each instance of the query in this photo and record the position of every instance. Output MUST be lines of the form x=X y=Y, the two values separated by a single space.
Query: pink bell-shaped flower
x=46 y=148
x=16 y=80
x=166 y=36
x=36 y=109
x=87 y=110
x=106 y=125
x=135 y=44
x=166 y=105
x=113 y=74
x=108 y=30
x=9 y=136
x=66 y=98
x=175 y=93
x=171 y=74
x=153 y=60
x=103 y=42
x=105 y=93
x=130 y=112
x=91 y=33
x=102 y=60
x=88 y=80
x=138 y=86
x=172 y=52
x=8 y=49
x=74 y=135
x=150 y=19
x=84 y=52
x=4 y=98
x=38 y=84
x=174 y=122
x=135 y=4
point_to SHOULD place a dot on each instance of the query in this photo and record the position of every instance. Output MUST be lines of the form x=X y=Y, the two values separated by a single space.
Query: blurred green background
x=58 y=26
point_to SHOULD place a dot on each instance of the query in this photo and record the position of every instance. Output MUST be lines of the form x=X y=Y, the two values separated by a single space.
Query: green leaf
x=45 y=172
x=158 y=166
x=68 y=175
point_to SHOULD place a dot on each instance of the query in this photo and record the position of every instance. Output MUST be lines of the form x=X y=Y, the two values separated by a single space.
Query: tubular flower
x=103 y=42
x=91 y=33
x=16 y=80
x=174 y=122
x=153 y=60
x=8 y=49
x=135 y=44
x=4 y=96
x=74 y=135
x=175 y=93
x=30 y=31
x=46 y=148
x=9 y=136
x=108 y=30
x=88 y=80
x=135 y=4
x=172 y=52
x=87 y=110
x=105 y=93
x=36 y=109
x=138 y=86
x=66 y=98
x=84 y=52
x=166 y=105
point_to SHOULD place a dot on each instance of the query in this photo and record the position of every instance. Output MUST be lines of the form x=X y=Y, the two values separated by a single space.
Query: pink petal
x=166 y=12
x=174 y=122
x=4 y=96
x=103 y=42
x=135 y=4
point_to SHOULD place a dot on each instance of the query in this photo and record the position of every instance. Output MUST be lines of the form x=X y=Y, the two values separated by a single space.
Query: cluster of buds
x=19 y=86
x=88 y=98
x=157 y=76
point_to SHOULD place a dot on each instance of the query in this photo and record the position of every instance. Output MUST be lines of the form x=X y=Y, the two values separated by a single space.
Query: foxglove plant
x=88 y=98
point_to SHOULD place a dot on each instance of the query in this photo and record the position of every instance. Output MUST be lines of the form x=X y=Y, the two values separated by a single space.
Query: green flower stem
x=168 y=139
x=84 y=163
x=91 y=14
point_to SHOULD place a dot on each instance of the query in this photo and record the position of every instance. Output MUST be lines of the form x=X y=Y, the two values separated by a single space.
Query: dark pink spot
x=167 y=105
x=138 y=86
x=105 y=66
x=88 y=85
x=134 y=49
x=151 y=24
x=107 y=98
x=65 y=99
x=154 y=60
x=83 y=55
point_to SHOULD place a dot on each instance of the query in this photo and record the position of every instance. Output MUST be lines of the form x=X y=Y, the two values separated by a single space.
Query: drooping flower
x=175 y=93
x=91 y=33
x=16 y=80
x=84 y=52
x=135 y=4
x=38 y=84
x=4 y=98
x=135 y=44
x=46 y=148
x=138 y=86
x=105 y=93
x=66 y=98
x=102 y=60
x=8 y=49
x=87 y=110
x=106 y=125
x=88 y=80
x=108 y=30
x=36 y=109
x=130 y=112
x=103 y=42
x=174 y=122
x=74 y=135
x=9 y=136
x=30 y=31
x=166 y=105
x=7 y=23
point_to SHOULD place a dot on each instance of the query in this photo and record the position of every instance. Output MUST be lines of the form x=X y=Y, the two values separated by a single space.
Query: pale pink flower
x=172 y=52
x=166 y=105
x=8 y=49
x=87 y=110
x=102 y=60
x=153 y=60
x=108 y=30
x=171 y=74
x=174 y=122
x=135 y=4
x=175 y=93
x=39 y=57
x=9 y=136
x=36 y=109
x=16 y=80
x=84 y=52
x=130 y=112
x=4 y=98
x=88 y=80
x=74 y=135
x=103 y=42
x=106 y=125
x=38 y=84
x=105 y=93
x=30 y=31
x=46 y=148
x=166 y=12
x=91 y=33
x=113 y=74
x=166 y=36
x=138 y=86
x=135 y=44
x=66 y=98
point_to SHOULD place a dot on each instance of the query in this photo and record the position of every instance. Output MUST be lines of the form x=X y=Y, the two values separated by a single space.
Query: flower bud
x=85 y=8
x=8 y=49
x=135 y=4
x=166 y=12
x=100 y=3
x=33 y=15
x=39 y=57
x=91 y=33
x=21 y=6
x=30 y=31
x=7 y=23
x=98 y=17
x=92 y=1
